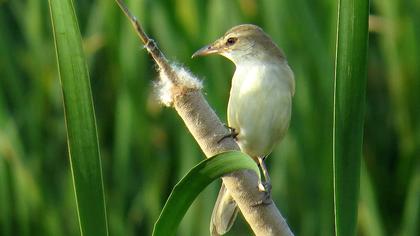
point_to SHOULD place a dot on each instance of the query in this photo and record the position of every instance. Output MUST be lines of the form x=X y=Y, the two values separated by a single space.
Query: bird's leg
x=264 y=186
x=232 y=133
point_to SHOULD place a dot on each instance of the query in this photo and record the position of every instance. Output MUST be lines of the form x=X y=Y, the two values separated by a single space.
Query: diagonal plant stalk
x=80 y=120
x=349 y=103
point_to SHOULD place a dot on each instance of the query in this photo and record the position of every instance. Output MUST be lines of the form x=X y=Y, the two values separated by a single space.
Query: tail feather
x=224 y=213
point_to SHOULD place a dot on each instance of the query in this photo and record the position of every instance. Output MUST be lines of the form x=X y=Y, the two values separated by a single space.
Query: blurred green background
x=146 y=149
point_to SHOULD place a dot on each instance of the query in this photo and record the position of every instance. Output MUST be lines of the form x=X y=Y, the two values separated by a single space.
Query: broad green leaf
x=188 y=188
x=349 y=100
x=82 y=138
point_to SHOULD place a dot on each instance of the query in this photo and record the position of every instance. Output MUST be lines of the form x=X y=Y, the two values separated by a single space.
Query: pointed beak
x=206 y=50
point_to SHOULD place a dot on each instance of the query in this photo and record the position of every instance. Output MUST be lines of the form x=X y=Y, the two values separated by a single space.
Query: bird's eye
x=231 y=41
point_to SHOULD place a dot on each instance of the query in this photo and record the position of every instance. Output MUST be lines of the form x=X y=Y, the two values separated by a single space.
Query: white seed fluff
x=185 y=80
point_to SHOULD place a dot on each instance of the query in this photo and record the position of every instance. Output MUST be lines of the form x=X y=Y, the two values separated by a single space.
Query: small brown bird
x=260 y=103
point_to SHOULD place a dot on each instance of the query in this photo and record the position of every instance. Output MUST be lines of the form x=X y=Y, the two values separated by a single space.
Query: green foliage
x=192 y=184
x=145 y=149
x=80 y=120
x=349 y=106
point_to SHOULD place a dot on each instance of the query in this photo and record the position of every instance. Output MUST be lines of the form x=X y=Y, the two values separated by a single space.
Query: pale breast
x=260 y=106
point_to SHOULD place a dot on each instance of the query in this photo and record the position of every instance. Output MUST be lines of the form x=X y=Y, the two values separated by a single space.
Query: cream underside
x=260 y=105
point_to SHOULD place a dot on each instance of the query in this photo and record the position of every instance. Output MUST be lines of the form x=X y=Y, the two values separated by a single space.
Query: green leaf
x=186 y=190
x=349 y=99
x=82 y=138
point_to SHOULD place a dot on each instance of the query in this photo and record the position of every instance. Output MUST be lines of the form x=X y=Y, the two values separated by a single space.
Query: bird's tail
x=224 y=213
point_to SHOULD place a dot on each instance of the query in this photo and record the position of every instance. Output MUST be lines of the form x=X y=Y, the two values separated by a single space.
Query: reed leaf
x=188 y=188
x=349 y=103
x=79 y=114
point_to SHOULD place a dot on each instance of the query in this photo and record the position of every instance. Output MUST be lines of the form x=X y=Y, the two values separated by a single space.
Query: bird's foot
x=264 y=187
x=232 y=133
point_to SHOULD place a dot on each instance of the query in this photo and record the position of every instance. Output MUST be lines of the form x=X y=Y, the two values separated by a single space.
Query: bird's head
x=243 y=42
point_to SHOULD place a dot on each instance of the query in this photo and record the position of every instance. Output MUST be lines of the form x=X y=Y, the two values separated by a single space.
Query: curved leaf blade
x=193 y=183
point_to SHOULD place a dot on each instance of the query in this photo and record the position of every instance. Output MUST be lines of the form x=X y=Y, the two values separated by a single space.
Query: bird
x=260 y=104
